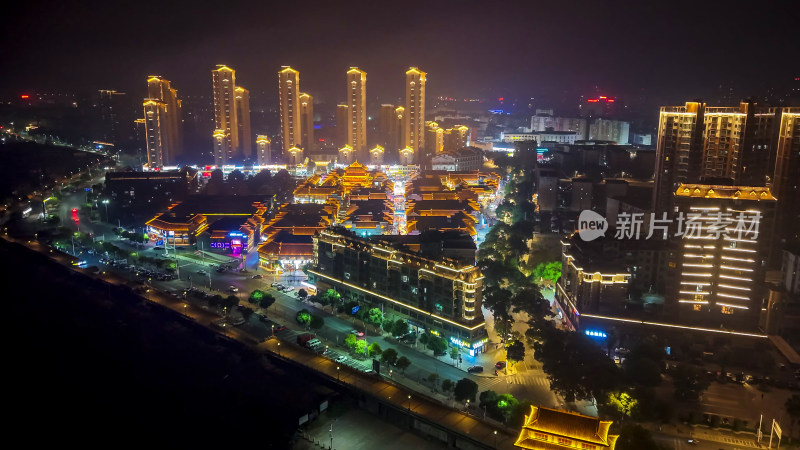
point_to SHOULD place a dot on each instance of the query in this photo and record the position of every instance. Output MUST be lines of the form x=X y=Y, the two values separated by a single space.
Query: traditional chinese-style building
x=548 y=429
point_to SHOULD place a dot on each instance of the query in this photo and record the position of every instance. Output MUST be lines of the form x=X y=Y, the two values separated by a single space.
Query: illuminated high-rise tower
x=263 y=150
x=341 y=124
x=243 y=119
x=415 y=111
x=162 y=117
x=357 y=112
x=226 y=126
x=307 y=122
x=386 y=123
x=289 y=93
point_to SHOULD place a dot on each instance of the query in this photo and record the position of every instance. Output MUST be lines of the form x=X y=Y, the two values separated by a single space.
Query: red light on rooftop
x=603 y=96
x=593 y=100
x=321 y=140
x=611 y=100
x=500 y=99
x=24 y=96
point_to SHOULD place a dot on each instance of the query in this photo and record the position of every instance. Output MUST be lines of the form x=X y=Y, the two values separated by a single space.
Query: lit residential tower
x=226 y=127
x=415 y=110
x=357 y=111
x=289 y=93
x=162 y=117
x=243 y=119
x=263 y=150
x=307 y=122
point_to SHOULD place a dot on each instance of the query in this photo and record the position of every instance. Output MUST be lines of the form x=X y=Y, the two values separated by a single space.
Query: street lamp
x=273 y=329
x=409 y=403
x=279 y=349
x=337 y=373
x=495 y=438
x=105 y=202
x=184 y=310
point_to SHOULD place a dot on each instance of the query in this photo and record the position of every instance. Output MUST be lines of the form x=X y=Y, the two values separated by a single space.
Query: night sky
x=666 y=51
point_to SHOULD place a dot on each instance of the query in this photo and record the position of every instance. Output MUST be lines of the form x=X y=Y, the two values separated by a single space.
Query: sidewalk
x=703 y=433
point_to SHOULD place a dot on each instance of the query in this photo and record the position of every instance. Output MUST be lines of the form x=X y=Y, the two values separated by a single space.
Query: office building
x=263 y=150
x=724 y=249
x=414 y=120
x=289 y=93
x=435 y=294
x=307 y=122
x=162 y=118
x=243 y=121
x=226 y=126
x=357 y=112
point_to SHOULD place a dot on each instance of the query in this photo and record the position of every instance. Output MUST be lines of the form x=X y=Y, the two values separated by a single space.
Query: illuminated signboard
x=235 y=234
x=595 y=333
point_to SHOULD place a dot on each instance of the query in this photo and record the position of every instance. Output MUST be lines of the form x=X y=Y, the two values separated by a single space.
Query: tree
x=246 y=312
x=433 y=379
x=316 y=322
x=635 y=437
x=424 y=338
x=403 y=363
x=360 y=347
x=387 y=325
x=266 y=301
x=302 y=294
x=547 y=273
x=400 y=328
x=689 y=381
x=465 y=389
x=303 y=317
x=375 y=316
x=447 y=385
x=455 y=353
x=621 y=404
x=374 y=349
x=389 y=356
x=230 y=301
x=437 y=344
x=350 y=341
x=515 y=352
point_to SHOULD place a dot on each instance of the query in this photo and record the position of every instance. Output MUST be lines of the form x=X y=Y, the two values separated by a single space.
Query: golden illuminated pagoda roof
x=544 y=426
x=725 y=192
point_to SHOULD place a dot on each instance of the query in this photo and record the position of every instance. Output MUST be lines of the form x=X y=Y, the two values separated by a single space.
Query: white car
x=341 y=359
x=233 y=289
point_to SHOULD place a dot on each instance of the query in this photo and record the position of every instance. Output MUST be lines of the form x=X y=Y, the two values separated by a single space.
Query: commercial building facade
x=440 y=296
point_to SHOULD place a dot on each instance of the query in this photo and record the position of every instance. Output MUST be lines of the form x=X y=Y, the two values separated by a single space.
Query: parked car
x=357 y=333
x=500 y=365
x=233 y=289
x=341 y=359
x=475 y=369
x=257 y=276
x=280 y=328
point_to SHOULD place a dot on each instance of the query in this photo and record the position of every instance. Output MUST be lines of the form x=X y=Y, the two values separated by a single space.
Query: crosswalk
x=518 y=379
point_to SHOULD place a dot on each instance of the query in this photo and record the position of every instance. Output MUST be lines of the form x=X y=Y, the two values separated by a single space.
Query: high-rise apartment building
x=455 y=138
x=400 y=129
x=225 y=121
x=342 y=117
x=263 y=150
x=357 y=111
x=434 y=138
x=112 y=127
x=307 y=122
x=697 y=142
x=415 y=111
x=243 y=121
x=387 y=127
x=289 y=93
x=786 y=181
x=162 y=118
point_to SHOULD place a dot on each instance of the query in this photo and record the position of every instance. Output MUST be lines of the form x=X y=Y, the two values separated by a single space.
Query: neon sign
x=595 y=333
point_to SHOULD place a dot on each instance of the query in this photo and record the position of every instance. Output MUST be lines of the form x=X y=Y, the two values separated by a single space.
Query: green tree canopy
x=689 y=381
x=465 y=389
x=374 y=349
x=375 y=316
x=266 y=301
x=403 y=363
x=316 y=322
x=303 y=317
x=437 y=344
x=389 y=356
x=400 y=328
x=350 y=341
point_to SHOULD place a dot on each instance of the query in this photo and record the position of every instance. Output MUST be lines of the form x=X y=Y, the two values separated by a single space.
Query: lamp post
x=184 y=309
x=409 y=403
x=279 y=349
x=273 y=329
x=495 y=438
x=337 y=373
x=105 y=202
